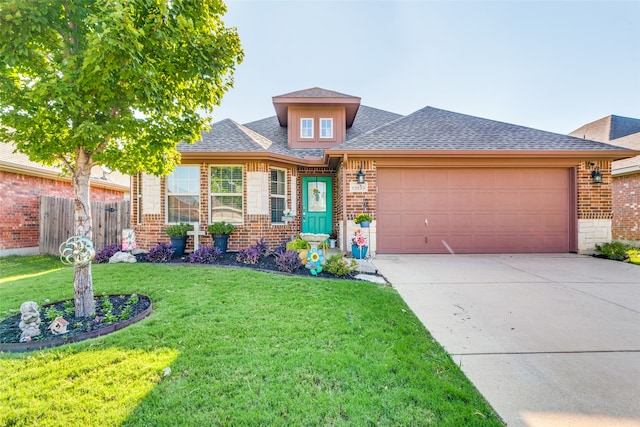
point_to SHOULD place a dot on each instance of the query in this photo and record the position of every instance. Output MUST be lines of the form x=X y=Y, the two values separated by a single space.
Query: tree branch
x=66 y=162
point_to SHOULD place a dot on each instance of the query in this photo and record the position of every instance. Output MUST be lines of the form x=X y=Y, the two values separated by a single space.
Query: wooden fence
x=57 y=223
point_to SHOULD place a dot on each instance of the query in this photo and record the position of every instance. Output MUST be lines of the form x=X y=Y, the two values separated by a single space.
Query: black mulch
x=122 y=309
x=265 y=264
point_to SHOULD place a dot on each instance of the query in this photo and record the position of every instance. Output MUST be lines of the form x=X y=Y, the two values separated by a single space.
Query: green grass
x=244 y=348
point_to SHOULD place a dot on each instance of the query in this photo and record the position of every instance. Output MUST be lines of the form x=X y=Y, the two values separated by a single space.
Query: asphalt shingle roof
x=268 y=136
x=623 y=126
x=434 y=129
x=373 y=129
x=315 y=92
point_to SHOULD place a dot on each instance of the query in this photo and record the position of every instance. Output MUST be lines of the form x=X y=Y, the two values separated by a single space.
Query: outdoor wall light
x=360 y=176
x=596 y=176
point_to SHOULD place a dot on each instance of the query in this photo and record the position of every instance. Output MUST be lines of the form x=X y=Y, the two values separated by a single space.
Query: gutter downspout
x=345 y=158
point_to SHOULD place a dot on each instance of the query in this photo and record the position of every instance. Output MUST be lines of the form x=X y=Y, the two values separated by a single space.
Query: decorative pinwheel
x=77 y=251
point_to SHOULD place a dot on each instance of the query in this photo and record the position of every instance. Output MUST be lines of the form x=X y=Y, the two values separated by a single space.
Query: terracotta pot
x=303 y=254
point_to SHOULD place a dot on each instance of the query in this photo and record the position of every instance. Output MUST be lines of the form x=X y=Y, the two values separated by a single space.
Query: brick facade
x=594 y=206
x=626 y=208
x=150 y=227
x=594 y=200
x=20 y=206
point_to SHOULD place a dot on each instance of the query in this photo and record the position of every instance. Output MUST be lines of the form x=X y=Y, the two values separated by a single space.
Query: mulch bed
x=123 y=312
x=265 y=264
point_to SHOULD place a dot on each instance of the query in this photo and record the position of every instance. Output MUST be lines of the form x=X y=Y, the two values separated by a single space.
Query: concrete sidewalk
x=549 y=340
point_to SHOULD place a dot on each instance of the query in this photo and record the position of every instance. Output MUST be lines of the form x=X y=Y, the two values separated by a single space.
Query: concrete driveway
x=549 y=340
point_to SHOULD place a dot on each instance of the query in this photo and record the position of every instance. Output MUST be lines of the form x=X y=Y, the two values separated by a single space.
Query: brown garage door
x=473 y=210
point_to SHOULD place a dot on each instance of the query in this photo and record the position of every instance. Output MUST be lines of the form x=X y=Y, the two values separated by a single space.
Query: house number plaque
x=354 y=187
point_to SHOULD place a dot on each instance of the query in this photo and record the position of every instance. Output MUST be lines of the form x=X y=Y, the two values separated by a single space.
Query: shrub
x=614 y=250
x=51 y=313
x=338 y=266
x=179 y=229
x=250 y=255
x=262 y=246
x=161 y=253
x=103 y=255
x=297 y=243
x=221 y=227
x=280 y=249
x=205 y=255
x=288 y=261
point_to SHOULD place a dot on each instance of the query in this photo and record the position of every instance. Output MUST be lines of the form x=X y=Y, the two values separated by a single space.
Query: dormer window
x=326 y=128
x=306 y=128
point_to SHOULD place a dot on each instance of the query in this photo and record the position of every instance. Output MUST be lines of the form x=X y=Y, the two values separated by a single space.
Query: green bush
x=614 y=250
x=221 y=227
x=297 y=243
x=338 y=266
x=179 y=229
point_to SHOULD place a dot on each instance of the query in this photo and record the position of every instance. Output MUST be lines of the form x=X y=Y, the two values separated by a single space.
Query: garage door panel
x=483 y=200
x=554 y=222
x=436 y=198
x=482 y=220
x=473 y=210
x=459 y=200
x=390 y=199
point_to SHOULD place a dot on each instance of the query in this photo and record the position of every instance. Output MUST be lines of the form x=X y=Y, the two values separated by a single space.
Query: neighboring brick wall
x=626 y=208
x=20 y=206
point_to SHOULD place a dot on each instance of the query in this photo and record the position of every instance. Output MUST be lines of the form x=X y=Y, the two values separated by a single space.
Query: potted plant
x=301 y=246
x=363 y=219
x=359 y=245
x=220 y=231
x=178 y=235
x=333 y=238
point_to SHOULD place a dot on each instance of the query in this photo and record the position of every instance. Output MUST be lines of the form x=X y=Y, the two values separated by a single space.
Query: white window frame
x=169 y=194
x=302 y=128
x=277 y=196
x=241 y=194
x=322 y=128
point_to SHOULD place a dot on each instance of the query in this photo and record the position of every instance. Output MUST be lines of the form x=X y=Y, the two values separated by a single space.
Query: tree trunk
x=82 y=280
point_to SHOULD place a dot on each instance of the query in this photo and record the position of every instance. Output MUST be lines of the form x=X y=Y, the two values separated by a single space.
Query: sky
x=549 y=65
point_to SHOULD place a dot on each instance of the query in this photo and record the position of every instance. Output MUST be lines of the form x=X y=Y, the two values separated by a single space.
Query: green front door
x=317 y=204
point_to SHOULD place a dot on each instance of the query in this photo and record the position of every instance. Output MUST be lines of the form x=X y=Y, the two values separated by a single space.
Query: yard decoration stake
x=87 y=82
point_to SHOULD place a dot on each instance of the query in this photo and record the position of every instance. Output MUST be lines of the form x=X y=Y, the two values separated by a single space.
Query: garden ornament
x=58 y=326
x=315 y=261
x=77 y=251
x=29 y=321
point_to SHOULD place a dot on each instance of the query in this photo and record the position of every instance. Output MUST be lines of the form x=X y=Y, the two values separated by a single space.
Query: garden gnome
x=29 y=320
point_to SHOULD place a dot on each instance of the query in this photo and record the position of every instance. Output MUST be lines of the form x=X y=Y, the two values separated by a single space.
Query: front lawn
x=243 y=348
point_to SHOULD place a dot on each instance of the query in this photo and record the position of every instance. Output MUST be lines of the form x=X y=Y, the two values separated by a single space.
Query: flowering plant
x=362 y=217
x=358 y=238
x=286 y=212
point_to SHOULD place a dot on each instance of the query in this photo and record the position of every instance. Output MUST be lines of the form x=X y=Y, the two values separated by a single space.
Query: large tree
x=117 y=83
